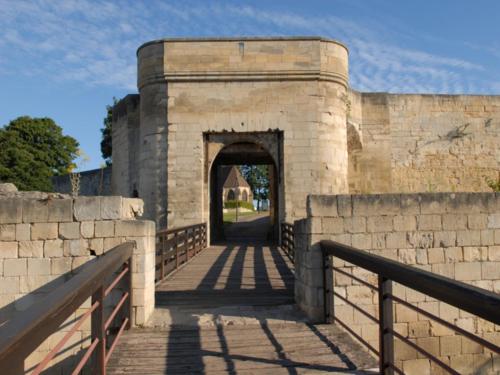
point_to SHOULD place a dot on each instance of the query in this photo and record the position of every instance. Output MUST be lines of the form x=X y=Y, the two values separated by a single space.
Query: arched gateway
x=207 y=102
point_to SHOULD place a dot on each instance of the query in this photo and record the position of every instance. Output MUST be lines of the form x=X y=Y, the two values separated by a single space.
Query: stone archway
x=237 y=149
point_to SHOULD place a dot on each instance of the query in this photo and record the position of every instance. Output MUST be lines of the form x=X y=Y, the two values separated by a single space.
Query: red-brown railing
x=21 y=335
x=479 y=302
x=287 y=240
x=176 y=246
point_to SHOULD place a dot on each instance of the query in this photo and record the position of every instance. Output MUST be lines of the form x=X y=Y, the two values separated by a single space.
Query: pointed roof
x=235 y=179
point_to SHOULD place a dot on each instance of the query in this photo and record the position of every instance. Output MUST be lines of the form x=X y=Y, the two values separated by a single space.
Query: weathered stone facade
x=456 y=235
x=291 y=97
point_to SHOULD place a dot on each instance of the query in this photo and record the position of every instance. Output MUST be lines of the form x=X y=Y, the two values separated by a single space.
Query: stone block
x=378 y=240
x=60 y=210
x=487 y=237
x=454 y=222
x=23 y=232
x=405 y=314
x=75 y=248
x=332 y=225
x=104 y=228
x=420 y=240
x=376 y=204
x=421 y=256
x=469 y=238
x=355 y=224
x=494 y=253
x=494 y=221
x=9 y=285
x=15 y=267
x=60 y=266
x=111 y=208
x=38 y=266
x=490 y=270
x=35 y=211
x=322 y=205
x=361 y=241
x=11 y=211
x=453 y=254
x=450 y=345
x=134 y=228
x=477 y=221
x=445 y=238
x=87 y=229
x=410 y=204
x=468 y=271
x=96 y=245
x=7 y=232
x=419 y=329
x=78 y=262
x=429 y=344
x=53 y=248
x=69 y=231
x=8 y=249
x=36 y=283
x=132 y=208
x=31 y=249
x=447 y=270
x=405 y=223
x=417 y=367
x=380 y=224
x=435 y=255
x=112 y=242
x=87 y=208
x=429 y=222
x=44 y=231
x=396 y=240
x=344 y=205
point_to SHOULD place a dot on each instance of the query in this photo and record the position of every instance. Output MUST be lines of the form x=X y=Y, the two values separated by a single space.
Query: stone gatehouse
x=286 y=102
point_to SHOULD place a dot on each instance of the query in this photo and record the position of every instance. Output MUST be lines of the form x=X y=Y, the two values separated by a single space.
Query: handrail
x=477 y=301
x=466 y=297
x=176 y=246
x=288 y=240
x=28 y=329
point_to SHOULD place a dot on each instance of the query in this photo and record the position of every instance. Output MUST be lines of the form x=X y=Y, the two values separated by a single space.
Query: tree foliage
x=32 y=151
x=258 y=178
x=106 y=131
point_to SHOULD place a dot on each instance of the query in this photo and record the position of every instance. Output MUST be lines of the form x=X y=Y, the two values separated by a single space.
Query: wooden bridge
x=230 y=309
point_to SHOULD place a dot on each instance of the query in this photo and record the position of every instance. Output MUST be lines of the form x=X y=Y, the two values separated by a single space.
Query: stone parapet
x=456 y=235
x=46 y=238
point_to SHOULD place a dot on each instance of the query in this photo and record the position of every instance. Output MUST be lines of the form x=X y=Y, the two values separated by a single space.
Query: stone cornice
x=299 y=75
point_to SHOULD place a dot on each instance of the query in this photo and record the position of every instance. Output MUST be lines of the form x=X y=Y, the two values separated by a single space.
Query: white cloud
x=94 y=42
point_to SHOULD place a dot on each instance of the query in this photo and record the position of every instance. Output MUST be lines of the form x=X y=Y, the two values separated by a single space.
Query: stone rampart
x=453 y=235
x=46 y=238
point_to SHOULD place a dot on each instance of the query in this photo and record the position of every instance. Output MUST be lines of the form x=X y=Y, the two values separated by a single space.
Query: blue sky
x=66 y=59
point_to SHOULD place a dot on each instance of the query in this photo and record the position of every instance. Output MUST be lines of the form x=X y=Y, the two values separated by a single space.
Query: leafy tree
x=34 y=150
x=106 y=142
x=258 y=178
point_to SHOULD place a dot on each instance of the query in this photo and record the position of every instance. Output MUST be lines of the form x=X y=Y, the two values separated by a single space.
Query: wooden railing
x=176 y=246
x=476 y=301
x=20 y=336
x=287 y=240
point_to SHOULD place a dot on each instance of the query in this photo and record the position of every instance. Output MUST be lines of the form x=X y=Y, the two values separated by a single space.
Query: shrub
x=243 y=204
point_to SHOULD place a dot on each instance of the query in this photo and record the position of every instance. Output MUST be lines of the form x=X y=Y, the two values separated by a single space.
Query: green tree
x=32 y=151
x=258 y=178
x=106 y=131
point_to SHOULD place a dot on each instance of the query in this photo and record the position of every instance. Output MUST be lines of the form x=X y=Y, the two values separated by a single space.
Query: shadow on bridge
x=231 y=310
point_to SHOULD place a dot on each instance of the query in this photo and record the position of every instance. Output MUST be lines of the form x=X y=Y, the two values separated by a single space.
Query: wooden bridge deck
x=231 y=310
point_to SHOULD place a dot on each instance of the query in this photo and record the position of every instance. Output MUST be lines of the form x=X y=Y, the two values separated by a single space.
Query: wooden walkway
x=231 y=310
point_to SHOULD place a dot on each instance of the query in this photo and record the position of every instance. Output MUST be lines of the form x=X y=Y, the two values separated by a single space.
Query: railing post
x=386 y=340
x=328 y=289
x=162 y=256
x=98 y=331
x=130 y=308
x=176 y=244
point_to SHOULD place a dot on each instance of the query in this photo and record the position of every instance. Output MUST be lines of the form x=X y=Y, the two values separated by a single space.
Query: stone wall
x=46 y=238
x=92 y=183
x=422 y=143
x=453 y=235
